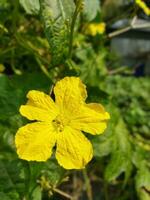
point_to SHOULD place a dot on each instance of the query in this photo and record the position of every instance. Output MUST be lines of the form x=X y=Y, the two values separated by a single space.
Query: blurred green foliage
x=121 y=163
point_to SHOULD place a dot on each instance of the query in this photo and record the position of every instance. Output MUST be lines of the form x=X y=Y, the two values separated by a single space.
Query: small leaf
x=37 y=194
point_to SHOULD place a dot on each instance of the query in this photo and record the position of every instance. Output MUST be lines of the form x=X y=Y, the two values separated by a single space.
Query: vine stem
x=27 y=180
x=15 y=15
x=64 y=194
x=106 y=191
x=75 y=15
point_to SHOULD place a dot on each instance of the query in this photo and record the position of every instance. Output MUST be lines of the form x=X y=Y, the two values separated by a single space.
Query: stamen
x=58 y=124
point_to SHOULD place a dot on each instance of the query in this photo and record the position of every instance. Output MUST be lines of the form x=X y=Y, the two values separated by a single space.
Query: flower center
x=59 y=123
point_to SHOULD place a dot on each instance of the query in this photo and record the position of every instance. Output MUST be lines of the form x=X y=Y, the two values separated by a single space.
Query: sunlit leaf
x=143 y=182
x=121 y=156
x=30 y=6
x=91 y=8
x=57 y=17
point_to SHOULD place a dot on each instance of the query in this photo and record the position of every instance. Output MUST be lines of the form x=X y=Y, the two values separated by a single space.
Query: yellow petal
x=69 y=93
x=34 y=142
x=74 y=150
x=40 y=106
x=144 y=6
x=90 y=118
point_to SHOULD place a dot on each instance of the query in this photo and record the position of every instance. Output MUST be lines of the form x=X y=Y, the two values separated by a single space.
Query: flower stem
x=75 y=15
x=27 y=180
x=64 y=194
x=87 y=184
x=106 y=191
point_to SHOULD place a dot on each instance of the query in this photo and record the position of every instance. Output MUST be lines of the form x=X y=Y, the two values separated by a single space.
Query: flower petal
x=34 y=142
x=40 y=106
x=70 y=92
x=74 y=150
x=90 y=118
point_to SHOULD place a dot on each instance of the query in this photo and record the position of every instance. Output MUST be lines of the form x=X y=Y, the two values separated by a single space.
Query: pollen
x=58 y=124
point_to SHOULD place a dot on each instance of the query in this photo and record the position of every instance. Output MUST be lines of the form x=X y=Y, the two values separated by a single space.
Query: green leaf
x=131 y=96
x=143 y=182
x=118 y=164
x=30 y=6
x=4 y=4
x=122 y=137
x=11 y=183
x=91 y=9
x=121 y=156
x=54 y=172
x=12 y=96
x=103 y=146
x=139 y=156
x=9 y=98
x=4 y=196
x=96 y=62
x=57 y=17
x=95 y=94
x=115 y=141
x=37 y=194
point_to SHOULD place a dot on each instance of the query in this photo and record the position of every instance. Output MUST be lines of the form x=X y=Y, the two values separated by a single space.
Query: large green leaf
x=121 y=156
x=30 y=6
x=57 y=17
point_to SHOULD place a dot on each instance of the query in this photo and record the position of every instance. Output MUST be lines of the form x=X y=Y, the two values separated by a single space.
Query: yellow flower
x=2 y=68
x=95 y=28
x=60 y=123
x=144 y=7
